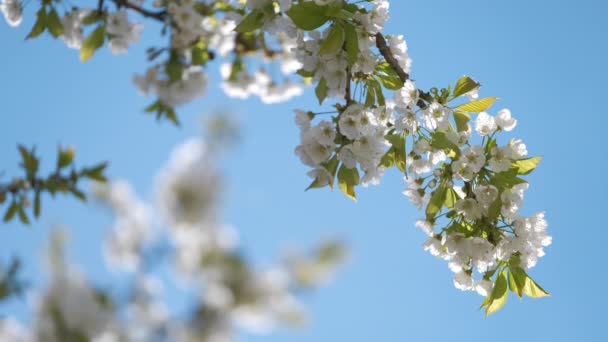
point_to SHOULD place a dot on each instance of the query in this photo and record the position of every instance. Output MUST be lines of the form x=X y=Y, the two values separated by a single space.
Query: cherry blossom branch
x=394 y=64
x=390 y=59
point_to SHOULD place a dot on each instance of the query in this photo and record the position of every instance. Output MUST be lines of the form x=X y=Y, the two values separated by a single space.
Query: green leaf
x=39 y=25
x=321 y=90
x=462 y=119
x=65 y=157
x=370 y=97
x=332 y=167
x=464 y=85
x=96 y=172
x=352 y=43
x=334 y=40
x=532 y=289
x=517 y=279
x=506 y=179
x=489 y=145
x=494 y=209
x=305 y=73
x=200 y=55
x=391 y=82
x=93 y=42
x=37 y=204
x=436 y=202
x=174 y=69
x=378 y=92
x=92 y=18
x=398 y=144
x=53 y=24
x=22 y=215
x=251 y=22
x=388 y=159
x=478 y=106
x=316 y=184
x=29 y=162
x=525 y=166
x=11 y=211
x=307 y=16
x=451 y=197
x=347 y=179
x=440 y=141
x=79 y=194
x=385 y=68
x=499 y=294
x=153 y=107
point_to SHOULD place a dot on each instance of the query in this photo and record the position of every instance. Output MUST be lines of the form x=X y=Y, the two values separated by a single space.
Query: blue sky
x=545 y=59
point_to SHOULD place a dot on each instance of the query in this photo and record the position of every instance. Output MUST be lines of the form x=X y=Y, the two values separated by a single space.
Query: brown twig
x=394 y=64
x=160 y=16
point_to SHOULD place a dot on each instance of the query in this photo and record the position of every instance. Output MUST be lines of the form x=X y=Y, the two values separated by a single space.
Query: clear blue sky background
x=545 y=59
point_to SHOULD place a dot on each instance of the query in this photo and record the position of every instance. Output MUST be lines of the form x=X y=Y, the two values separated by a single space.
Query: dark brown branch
x=394 y=64
x=160 y=16
x=390 y=59
x=347 y=91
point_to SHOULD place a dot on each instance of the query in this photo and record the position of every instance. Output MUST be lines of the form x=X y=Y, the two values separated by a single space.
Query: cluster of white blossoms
x=479 y=188
x=204 y=255
x=468 y=184
x=332 y=67
x=72 y=28
x=122 y=31
x=362 y=145
x=11 y=9
x=192 y=83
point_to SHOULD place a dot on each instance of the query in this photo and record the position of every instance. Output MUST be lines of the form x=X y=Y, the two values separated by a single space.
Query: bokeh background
x=545 y=59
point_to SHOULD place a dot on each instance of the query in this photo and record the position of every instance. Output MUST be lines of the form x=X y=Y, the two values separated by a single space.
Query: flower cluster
x=122 y=32
x=191 y=83
x=473 y=192
x=466 y=180
x=11 y=9
x=204 y=255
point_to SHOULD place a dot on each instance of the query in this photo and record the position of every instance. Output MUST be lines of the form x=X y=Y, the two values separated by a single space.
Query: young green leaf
x=390 y=82
x=308 y=16
x=334 y=40
x=22 y=215
x=370 y=97
x=398 y=144
x=477 y=106
x=499 y=294
x=352 y=43
x=440 y=141
x=506 y=179
x=517 y=279
x=525 y=166
x=53 y=24
x=65 y=157
x=321 y=90
x=37 y=204
x=347 y=179
x=96 y=172
x=39 y=25
x=462 y=119
x=532 y=289
x=93 y=42
x=251 y=22
x=451 y=197
x=200 y=55
x=436 y=202
x=11 y=211
x=464 y=85
x=388 y=159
